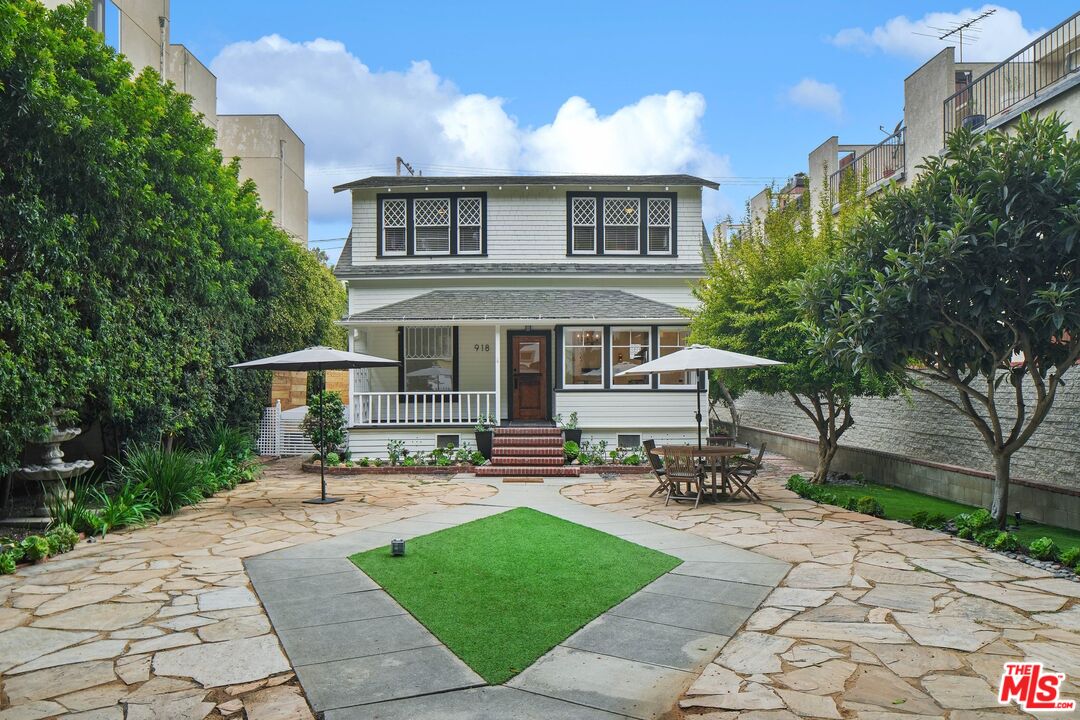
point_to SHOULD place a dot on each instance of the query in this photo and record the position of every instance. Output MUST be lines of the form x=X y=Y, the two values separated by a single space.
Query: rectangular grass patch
x=503 y=590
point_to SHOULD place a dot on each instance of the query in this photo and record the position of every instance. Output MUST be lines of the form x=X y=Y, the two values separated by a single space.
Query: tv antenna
x=958 y=29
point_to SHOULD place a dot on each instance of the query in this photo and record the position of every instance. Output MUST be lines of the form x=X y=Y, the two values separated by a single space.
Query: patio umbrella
x=698 y=358
x=318 y=358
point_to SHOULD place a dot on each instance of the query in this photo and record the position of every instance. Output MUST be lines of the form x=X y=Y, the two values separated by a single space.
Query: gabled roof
x=385 y=181
x=535 y=305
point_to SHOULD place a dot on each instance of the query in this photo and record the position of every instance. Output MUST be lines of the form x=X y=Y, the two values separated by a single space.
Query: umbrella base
x=323 y=501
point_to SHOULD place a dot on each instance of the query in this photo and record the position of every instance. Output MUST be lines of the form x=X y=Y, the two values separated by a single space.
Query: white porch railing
x=422 y=408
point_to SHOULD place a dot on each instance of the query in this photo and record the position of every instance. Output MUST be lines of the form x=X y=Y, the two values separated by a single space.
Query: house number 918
x=482 y=347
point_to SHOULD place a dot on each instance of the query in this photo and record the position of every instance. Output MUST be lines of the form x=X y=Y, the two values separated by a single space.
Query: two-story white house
x=520 y=298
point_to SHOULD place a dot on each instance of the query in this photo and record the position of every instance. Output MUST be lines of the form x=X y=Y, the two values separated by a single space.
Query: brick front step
x=519 y=441
x=512 y=471
x=504 y=460
x=522 y=451
x=527 y=431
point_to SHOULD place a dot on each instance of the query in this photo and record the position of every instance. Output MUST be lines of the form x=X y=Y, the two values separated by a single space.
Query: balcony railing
x=881 y=162
x=1034 y=71
x=422 y=408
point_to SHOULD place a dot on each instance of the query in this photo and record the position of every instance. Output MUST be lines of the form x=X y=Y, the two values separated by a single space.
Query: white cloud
x=355 y=120
x=814 y=95
x=996 y=37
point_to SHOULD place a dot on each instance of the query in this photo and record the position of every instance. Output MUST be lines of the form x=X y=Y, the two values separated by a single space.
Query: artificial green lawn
x=901 y=504
x=503 y=590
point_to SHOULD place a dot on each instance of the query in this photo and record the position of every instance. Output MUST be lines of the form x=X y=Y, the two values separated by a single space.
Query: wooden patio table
x=713 y=458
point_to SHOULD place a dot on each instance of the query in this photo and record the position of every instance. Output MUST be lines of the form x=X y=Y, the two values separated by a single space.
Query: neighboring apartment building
x=944 y=94
x=520 y=298
x=270 y=152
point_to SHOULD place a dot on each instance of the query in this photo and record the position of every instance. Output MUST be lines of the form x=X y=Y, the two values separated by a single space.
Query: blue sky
x=736 y=91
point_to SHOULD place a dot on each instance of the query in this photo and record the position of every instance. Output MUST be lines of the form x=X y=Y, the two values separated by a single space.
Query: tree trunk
x=826 y=451
x=999 y=507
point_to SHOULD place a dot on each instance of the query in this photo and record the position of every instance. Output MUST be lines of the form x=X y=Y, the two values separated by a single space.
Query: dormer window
x=430 y=224
x=620 y=223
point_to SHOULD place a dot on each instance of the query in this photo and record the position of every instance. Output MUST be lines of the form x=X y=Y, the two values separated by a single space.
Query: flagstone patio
x=877 y=620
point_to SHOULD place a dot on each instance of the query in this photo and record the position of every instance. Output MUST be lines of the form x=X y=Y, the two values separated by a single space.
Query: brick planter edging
x=388 y=469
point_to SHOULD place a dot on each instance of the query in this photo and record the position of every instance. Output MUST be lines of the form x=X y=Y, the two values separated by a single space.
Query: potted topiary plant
x=484 y=435
x=571 y=431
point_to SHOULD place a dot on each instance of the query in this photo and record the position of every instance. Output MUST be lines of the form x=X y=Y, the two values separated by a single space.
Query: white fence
x=422 y=408
x=279 y=432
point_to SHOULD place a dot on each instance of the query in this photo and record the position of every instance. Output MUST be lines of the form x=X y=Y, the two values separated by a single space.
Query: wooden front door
x=529 y=377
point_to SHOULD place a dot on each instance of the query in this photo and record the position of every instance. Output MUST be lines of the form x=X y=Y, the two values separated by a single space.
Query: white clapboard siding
x=628 y=409
x=530 y=225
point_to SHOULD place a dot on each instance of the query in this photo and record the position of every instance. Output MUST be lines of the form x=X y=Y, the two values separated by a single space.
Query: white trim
x=610 y=369
x=603 y=374
x=649 y=225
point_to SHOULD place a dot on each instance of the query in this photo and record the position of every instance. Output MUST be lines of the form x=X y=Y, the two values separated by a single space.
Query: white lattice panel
x=659 y=211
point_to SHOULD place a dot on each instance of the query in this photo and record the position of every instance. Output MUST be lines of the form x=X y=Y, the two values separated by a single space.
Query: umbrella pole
x=322 y=499
x=697 y=415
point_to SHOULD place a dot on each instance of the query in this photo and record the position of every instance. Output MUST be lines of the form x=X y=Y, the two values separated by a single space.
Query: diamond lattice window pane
x=584 y=211
x=433 y=212
x=621 y=211
x=659 y=211
x=393 y=213
x=468 y=211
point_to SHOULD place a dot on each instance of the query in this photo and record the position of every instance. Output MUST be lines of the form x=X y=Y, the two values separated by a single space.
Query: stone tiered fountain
x=53 y=474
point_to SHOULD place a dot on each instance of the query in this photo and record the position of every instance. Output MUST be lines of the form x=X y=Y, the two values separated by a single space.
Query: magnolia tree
x=970 y=282
x=747 y=307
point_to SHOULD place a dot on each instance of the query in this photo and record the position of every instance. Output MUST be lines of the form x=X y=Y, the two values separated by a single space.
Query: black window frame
x=643 y=221
x=410 y=224
x=558 y=385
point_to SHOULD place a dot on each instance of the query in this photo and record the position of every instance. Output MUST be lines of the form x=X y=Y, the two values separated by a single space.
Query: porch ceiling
x=524 y=305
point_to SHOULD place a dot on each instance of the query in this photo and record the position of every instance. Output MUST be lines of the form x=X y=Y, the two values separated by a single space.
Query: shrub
x=364 y=462
x=396 y=452
x=172 y=478
x=968 y=525
x=869 y=506
x=35 y=548
x=1042 y=549
x=332 y=458
x=234 y=442
x=7 y=563
x=332 y=435
x=1002 y=541
x=851 y=504
x=571 y=450
x=73 y=507
x=632 y=459
x=129 y=504
x=1070 y=557
x=62 y=538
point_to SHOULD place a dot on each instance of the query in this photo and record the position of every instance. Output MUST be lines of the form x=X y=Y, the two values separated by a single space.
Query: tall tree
x=747 y=306
x=969 y=281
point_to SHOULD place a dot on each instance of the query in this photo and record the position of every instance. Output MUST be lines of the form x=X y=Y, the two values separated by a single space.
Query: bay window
x=583 y=357
x=630 y=347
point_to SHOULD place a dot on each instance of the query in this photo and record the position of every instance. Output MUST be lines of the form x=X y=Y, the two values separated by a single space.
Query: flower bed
x=619 y=469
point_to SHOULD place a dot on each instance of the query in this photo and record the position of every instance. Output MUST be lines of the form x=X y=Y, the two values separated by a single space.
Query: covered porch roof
x=486 y=306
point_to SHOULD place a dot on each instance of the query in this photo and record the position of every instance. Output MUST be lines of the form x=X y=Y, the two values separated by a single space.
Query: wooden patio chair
x=657 y=468
x=720 y=440
x=680 y=462
x=744 y=469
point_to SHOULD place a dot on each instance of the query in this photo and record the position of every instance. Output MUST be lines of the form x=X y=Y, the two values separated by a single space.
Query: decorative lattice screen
x=583 y=214
x=622 y=217
x=469 y=221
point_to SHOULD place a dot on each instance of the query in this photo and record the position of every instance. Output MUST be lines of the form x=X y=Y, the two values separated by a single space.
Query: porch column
x=498 y=374
x=349 y=401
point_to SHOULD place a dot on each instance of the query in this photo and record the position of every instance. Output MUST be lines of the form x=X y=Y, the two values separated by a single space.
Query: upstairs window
x=583 y=229
x=659 y=225
x=432 y=218
x=394 y=230
x=622 y=225
x=469 y=226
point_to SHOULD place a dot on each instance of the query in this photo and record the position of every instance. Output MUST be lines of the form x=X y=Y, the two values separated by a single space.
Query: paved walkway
x=358 y=654
x=877 y=620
